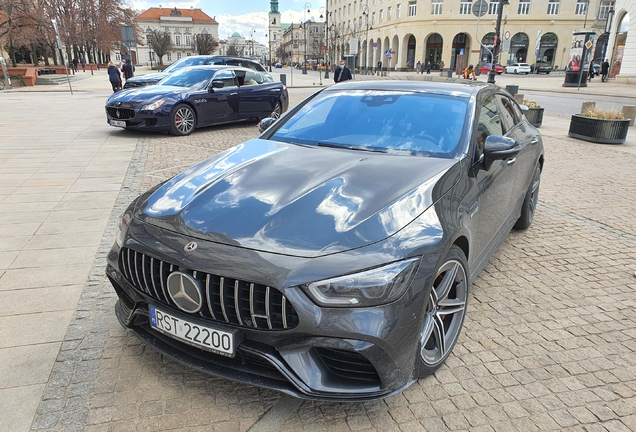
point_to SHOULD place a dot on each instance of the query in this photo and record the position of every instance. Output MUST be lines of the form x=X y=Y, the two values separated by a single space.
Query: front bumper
x=337 y=354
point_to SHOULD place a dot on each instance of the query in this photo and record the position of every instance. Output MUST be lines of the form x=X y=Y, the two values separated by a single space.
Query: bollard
x=629 y=111
x=449 y=73
x=588 y=106
x=518 y=98
x=283 y=78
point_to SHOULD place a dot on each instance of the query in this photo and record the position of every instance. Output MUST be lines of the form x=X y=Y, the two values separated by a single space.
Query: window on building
x=187 y=40
x=169 y=56
x=274 y=36
x=373 y=17
x=147 y=39
x=553 y=7
x=118 y=56
x=436 y=7
x=151 y=55
x=524 y=7
x=493 y=7
x=188 y=54
x=412 y=8
x=177 y=40
x=349 y=10
x=465 y=7
x=388 y=14
x=604 y=8
x=581 y=7
x=398 y=11
x=178 y=56
x=381 y=15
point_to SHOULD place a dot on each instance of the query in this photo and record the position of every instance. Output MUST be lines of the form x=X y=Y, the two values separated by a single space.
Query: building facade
x=244 y=47
x=304 y=42
x=399 y=33
x=621 y=50
x=184 y=25
x=275 y=32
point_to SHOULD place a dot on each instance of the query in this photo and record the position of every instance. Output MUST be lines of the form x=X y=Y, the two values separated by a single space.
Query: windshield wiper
x=348 y=147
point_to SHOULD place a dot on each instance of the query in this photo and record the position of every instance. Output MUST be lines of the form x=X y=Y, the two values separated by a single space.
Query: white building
x=183 y=24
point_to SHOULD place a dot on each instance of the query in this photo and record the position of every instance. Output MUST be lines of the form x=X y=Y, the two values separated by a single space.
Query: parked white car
x=518 y=68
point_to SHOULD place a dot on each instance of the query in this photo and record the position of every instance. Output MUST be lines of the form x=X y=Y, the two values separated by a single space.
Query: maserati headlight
x=153 y=106
x=123 y=223
x=369 y=288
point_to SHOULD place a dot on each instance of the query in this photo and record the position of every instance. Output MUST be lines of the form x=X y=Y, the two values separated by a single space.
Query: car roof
x=218 y=67
x=438 y=85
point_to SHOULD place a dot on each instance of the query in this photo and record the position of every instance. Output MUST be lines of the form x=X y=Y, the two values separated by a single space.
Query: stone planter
x=534 y=116
x=598 y=130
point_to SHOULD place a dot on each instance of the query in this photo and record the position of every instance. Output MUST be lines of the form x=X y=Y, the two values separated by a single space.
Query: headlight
x=153 y=106
x=369 y=288
x=122 y=226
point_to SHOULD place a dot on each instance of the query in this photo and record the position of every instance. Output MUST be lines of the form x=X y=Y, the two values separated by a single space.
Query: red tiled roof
x=154 y=13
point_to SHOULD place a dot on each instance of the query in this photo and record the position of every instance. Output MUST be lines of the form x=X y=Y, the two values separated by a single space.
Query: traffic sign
x=480 y=8
x=588 y=44
x=387 y=53
x=507 y=35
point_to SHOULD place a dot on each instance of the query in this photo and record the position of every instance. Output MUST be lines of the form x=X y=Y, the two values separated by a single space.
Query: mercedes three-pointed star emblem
x=185 y=292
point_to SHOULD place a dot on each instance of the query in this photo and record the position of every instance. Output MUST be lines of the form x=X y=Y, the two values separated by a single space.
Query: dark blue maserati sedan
x=332 y=257
x=198 y=96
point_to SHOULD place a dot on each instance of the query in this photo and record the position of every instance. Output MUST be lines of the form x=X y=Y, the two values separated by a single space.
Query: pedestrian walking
x=605 y=67
x=128 y=69
x=590 y=72
x=428 y=67
x=342 y=73
x=114 y=76
x=83 y=63
x=379 y=67
x=75 y=62
x=441 y=66
x=418 y=67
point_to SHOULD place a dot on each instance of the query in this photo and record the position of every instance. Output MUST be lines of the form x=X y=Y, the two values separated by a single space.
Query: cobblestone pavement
x=548 y=343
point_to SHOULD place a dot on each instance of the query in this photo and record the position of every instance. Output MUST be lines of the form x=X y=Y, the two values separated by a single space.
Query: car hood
x=144 y=94
x=298 y=200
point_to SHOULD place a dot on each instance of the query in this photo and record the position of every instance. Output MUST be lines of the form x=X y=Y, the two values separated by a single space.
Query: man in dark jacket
x=128 y=70
x=342 y=73
x=605 y=66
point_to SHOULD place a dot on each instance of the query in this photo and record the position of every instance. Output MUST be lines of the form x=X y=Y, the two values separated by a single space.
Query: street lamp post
x=328 y=53
x=307 y=9
x=365 y=12
x=495 y=50
x=269 y=40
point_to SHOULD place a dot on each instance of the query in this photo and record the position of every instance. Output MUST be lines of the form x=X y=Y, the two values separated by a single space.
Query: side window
x=215 y=61
x=253 y=78
x=489 y=123
x=508 y=115
x=256 y=67
x=228 y=78
x=233 y=62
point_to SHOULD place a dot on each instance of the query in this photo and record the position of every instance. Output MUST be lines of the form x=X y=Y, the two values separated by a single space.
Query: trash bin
x=283 y=78
x=449 y=73
x=512 y=89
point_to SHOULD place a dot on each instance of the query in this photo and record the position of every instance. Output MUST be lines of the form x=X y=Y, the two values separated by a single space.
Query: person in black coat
x=114 y=76
x=342 y=73
x=605 y=66
x=128 y=69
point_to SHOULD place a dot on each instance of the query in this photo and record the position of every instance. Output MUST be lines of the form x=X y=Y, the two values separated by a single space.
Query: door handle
x=511 y=161
x=534 y=141
x=233 y=94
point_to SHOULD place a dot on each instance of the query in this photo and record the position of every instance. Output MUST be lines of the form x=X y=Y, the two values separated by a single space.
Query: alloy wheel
x=444 y=313
x=184 y=120
x=277 y=111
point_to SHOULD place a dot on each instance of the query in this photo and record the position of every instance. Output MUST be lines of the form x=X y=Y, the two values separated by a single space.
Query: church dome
x=236 y=35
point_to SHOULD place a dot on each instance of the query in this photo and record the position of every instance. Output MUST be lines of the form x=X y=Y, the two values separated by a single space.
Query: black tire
x=529 y=206
x=444 y=312
x=516 y=71
x=183 y=120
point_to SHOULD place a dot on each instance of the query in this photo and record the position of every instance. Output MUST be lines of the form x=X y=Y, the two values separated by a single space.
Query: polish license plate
x=118 y=123
x=207 y=338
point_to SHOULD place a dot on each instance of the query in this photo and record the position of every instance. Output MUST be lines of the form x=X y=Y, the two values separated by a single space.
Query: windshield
x=188 y=78
x=185 y=62
x=387 y=121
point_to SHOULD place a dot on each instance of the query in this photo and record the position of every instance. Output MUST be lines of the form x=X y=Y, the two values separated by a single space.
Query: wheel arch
x=462 y=243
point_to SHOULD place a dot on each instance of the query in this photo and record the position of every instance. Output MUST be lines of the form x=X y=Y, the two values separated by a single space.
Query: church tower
x=275 y=34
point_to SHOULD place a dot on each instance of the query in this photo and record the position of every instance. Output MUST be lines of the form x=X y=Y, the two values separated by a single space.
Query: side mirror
x=265 y=124
x=499 y=148
x=218 y=84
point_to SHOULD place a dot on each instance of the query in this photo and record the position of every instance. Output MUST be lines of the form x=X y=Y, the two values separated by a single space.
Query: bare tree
x=206 y=44
x=235 y=50
x=279 y=54
x=160 y=42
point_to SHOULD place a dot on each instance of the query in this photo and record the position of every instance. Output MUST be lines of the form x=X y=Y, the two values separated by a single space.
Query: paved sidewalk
x=549 y=342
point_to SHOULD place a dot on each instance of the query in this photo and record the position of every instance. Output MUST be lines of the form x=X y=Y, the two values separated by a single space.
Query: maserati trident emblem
x=117 y=113
x=190 y=246
x=185 y=292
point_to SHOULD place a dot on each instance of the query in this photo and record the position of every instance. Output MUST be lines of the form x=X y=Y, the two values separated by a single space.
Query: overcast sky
x=242 y=16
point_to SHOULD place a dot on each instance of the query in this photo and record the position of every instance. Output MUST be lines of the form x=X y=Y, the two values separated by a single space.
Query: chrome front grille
x=120 y=113
x=226 y=300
